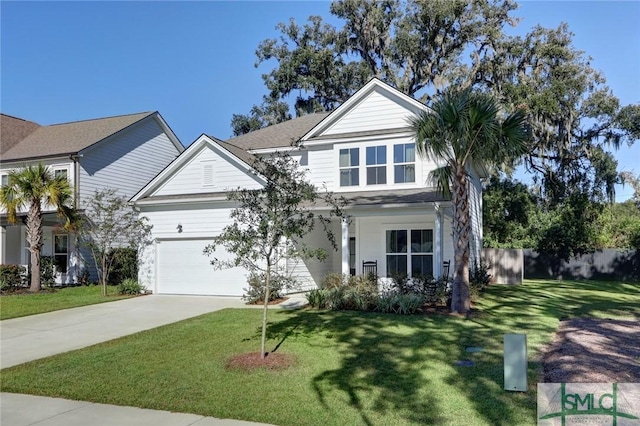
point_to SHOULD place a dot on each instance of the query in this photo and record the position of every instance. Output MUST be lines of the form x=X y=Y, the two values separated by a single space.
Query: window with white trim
x=376 y=165
x=409 y=252
x=4 y=180
x=404 y=158
x=349 y=167
x=61 y=252
x=60 y=173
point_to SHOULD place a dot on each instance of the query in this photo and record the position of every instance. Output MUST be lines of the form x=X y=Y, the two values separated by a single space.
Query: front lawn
x=353 y=368
x=20 y=305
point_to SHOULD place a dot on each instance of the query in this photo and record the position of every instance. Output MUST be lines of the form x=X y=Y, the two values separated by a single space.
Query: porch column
x=437 y=245
x=345 y=245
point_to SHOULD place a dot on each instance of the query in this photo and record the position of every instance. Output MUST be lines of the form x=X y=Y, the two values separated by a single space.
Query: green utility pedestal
x=515 y=362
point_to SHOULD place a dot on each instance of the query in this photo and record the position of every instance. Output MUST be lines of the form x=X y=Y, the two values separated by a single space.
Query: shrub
x=84 y=277
x=3 y=285
x=13 y=276
x=255 y=292
x=317 y=298
x=407 y=304
x=479 y=277
x=334 y=280
x=401 y=304
x=130 y=286
x=47 y=271
x=335 y=299
x=124 y=264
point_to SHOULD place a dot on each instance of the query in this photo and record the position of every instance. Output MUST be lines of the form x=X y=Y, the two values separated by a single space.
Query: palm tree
x=465 y=131
x=33 y=187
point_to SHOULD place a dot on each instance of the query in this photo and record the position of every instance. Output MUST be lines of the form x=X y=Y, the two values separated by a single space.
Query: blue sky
x=194 y=61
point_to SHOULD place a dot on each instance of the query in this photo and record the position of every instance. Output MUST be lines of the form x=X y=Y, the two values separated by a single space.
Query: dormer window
x=404 y=158
x=349 y=170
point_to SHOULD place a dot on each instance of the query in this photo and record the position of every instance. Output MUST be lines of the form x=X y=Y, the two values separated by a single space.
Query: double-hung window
x=349 y=167
x=61 y=252
x=409 y=252
x=4 y=180
x=376 y=165
x=404 y=158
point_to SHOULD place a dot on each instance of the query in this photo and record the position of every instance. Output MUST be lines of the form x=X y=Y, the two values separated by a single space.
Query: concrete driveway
x=38 y=336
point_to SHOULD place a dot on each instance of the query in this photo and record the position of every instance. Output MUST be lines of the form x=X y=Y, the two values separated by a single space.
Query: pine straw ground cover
x=343 y=367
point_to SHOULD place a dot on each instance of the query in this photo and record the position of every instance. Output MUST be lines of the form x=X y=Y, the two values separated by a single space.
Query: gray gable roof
x=13 y=130
x=235 y=150
x=67 y=138
x=279 y=135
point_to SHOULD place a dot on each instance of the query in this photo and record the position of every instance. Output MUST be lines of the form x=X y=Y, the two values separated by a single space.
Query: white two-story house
x=364 y=151
x=122 y=152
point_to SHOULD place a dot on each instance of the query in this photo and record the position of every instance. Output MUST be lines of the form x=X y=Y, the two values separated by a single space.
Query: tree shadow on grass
x=393 y=365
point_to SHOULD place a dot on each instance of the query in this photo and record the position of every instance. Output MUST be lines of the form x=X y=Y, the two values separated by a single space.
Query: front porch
x=398 y=241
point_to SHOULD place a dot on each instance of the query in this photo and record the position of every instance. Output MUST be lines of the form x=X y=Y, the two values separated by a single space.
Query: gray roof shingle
x=283 y=134
x=67 y=138
x=13 y=130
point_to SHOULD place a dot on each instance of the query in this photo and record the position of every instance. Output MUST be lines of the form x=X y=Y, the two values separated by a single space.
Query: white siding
x=475 y=211
x=310 y=273
x=207 y=171
x=127 y=161
x=377 y=111
x=322 y=166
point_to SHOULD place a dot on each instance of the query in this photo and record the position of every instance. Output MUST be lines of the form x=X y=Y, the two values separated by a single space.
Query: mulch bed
x=589 y=350
x=272 y=361
x=271 y=302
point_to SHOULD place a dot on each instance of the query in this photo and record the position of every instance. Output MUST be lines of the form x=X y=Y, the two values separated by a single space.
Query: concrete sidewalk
x=26 y=410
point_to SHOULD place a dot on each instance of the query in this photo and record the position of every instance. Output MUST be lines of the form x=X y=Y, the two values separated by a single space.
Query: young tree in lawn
x=465 y=130
x=279 y=212
x=110 y=222
x=36 y=187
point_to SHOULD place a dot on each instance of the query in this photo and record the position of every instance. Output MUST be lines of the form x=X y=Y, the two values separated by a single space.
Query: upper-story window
x=4 y=180
x=376 y=165
x=349 y=170
x=404 y=158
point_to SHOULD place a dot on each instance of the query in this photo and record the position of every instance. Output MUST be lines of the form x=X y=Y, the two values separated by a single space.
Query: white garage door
x=183 y=269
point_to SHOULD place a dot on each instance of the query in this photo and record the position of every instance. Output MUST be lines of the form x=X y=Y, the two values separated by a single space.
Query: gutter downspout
x=76 y=202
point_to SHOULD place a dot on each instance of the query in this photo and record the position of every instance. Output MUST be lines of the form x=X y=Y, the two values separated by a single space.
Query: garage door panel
x=184 y=269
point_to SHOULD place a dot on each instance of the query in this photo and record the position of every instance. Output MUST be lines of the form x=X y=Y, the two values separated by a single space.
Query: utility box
x=515 y=362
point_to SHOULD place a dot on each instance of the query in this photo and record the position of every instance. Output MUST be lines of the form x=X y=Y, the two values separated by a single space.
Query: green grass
x=353 y=368
x=20 y=305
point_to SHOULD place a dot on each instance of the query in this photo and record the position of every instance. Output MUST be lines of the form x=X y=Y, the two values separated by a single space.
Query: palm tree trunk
x=34 y=238
x=460 y=301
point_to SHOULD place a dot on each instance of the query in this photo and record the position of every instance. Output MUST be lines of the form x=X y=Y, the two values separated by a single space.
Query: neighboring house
x=364 y=151
x=123 y=153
